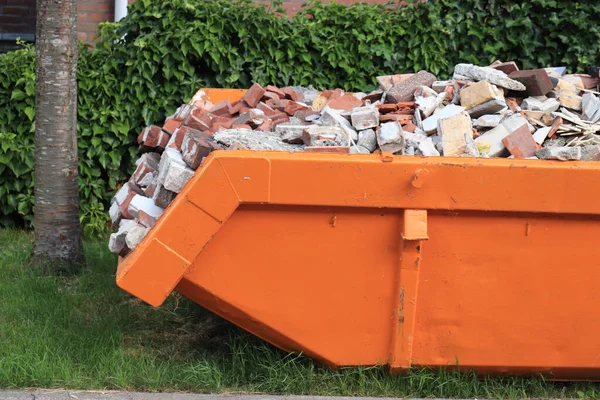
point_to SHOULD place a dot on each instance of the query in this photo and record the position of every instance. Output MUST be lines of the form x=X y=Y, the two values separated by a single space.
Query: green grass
x=85 y=333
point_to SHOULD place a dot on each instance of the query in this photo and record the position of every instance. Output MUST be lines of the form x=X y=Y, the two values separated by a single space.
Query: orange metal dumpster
x=488 y=264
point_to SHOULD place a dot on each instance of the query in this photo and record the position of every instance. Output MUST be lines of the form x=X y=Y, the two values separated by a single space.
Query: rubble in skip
x=483 y=111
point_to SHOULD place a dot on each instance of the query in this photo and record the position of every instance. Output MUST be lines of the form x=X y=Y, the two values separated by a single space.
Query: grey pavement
x=113 y=395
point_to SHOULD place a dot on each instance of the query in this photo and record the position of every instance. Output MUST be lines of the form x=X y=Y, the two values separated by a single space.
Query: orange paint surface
x=488 y=263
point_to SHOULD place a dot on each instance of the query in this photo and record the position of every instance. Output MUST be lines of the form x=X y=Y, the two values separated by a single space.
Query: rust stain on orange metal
x=409 y=277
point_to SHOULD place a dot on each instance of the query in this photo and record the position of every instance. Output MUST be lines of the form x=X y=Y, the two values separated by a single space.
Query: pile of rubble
x=495 y=111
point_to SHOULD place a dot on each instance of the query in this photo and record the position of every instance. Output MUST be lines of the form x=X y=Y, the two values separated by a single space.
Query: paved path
x=110 y=395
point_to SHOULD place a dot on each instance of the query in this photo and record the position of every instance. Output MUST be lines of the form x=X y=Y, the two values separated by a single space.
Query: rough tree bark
x=57 y=246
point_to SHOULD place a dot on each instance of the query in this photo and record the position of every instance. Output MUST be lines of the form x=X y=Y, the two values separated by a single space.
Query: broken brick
x=195 y=147
x=536 y=81
x=404 y=90
x=292 y=94
x=153 y=137
x=222 y=108
x=254 y=95
x=292 y=107
x=275 y=90
x=346 y=102
x=171 y=124
x=521 y=143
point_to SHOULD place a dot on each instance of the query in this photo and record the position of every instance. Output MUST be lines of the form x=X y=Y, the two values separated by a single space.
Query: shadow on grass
x=83 y=332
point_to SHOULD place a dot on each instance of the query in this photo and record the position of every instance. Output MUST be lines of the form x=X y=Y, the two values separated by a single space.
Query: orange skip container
x=488 y=264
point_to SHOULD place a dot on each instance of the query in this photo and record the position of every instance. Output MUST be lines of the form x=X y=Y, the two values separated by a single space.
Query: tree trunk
x=57 y=246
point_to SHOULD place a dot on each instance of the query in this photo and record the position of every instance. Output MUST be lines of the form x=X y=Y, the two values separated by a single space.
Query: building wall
x=17 y=17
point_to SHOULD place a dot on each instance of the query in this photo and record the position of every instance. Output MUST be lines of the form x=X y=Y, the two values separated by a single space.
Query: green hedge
x=156 y=58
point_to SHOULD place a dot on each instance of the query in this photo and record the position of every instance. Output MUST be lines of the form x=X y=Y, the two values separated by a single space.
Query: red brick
x=254 y=95
x=266 y=109
x=275 y=90
x=537 y=81
x=403 y=119
x=521 y=143
x=558 y=121
x=221 y=108
x=235 y=107
x=292 y=94
x=201 y=124
x=346 y=102
x=292 y=107
x=171 y=124
x=153 y=137
x=386 y=108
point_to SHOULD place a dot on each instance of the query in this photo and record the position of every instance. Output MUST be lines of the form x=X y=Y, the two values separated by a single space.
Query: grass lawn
x=85 y=333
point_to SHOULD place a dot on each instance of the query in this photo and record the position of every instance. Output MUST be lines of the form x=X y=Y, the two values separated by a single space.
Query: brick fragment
x=346 y=102
x=153 y=137
x=196 y=146
x=254 y=95
x=235 y=107
x=171 y=124
x=389 y=80
x=457 y=135
x=506 y=67
x=266 y=109
x=521 y=143
x=558 y=121
x=162 y=197
x=477 y=94
x=177 y=138
x=292 y=107
x=279 y=104
x=365 y=118
x=536 y=81
x=222 y=108
x=403 y=119
x=404 y=90
x=386 y=108
x=292 y=94
x=146 y=219
x=147 y=168
x=140 y=202
x=319 y=102
x=276 y=91
x=201 y=123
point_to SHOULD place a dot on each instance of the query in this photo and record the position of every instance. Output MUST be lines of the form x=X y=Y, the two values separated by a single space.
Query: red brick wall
x=90 y=14
x=17 y=17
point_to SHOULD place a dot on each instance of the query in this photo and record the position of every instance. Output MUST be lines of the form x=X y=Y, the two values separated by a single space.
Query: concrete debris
x=495 y=111
x=368 y=140
x=390 y=137
x=489 y=107
x=535 y=104
x=561 y=153
x=493 y=76
x=430 y=125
